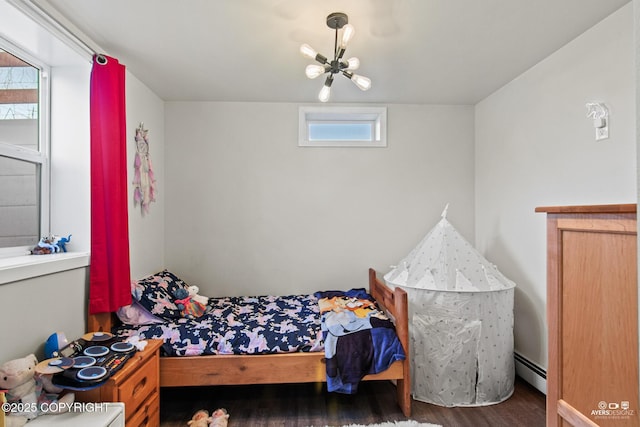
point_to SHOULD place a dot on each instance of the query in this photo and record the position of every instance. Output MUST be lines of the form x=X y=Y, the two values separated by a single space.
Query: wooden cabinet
x=137 y=385
x=592 y=314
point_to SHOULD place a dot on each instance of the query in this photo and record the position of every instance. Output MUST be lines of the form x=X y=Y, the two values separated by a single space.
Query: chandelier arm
x=335 y=46
x=321 y=59
x=329 y=80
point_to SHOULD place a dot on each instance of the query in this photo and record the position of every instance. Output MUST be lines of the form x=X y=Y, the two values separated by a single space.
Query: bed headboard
x=101 y=322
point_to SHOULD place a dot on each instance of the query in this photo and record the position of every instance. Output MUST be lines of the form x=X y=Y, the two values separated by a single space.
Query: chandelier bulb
x=312 y=71
x=347 y=34
x=308 y=52
x=353 y=63
x=362 y=82
x=323 y=96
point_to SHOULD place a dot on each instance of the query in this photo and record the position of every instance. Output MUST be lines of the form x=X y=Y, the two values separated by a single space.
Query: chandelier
x=337 y=21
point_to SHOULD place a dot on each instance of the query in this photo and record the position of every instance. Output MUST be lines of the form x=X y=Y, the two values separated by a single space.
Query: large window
x=24 y=169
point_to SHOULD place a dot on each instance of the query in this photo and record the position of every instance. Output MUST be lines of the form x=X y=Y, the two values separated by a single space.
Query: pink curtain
x=109 y=276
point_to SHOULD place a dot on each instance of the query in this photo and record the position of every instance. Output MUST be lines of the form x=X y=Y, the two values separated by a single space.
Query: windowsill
x=24 y=267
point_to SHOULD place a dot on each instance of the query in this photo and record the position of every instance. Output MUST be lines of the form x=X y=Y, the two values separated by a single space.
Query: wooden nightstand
x=137 y=385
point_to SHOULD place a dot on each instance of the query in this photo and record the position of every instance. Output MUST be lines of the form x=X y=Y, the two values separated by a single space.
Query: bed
x=278 y=368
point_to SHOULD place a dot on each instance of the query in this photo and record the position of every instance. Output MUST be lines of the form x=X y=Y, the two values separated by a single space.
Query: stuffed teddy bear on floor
x=200 y=419
x=30 y=393
x=219 y=418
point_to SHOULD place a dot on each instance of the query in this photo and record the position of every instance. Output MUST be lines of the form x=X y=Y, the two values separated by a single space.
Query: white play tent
x=461 y=322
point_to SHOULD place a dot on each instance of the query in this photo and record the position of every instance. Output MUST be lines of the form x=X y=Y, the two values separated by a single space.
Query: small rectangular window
x=342 y=127
x=338 y=131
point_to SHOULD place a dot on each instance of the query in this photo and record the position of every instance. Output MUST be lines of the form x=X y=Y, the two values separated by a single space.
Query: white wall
x=535 y=147
x=146 y=231
x=70 y=155
x=33 y=309
x=250 y=212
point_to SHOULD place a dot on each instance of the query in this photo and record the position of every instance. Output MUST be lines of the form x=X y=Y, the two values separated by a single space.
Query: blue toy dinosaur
x=62 y=242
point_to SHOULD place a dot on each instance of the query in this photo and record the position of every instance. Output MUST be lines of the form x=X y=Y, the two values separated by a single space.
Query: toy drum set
x=87 y=362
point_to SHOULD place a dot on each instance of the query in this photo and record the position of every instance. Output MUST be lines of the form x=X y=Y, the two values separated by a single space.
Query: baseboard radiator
x=531 y=373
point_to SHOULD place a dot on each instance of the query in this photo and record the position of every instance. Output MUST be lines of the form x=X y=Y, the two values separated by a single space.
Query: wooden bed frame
x=283 y=367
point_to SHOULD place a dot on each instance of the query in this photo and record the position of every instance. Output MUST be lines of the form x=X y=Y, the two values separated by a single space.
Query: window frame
x=41 y=157
x=376 y=117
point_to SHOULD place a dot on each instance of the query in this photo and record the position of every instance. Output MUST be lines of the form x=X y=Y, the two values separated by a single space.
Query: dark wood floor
x=310 y=405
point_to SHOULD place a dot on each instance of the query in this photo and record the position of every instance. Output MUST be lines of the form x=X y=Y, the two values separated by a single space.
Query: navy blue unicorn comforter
x=240 y=325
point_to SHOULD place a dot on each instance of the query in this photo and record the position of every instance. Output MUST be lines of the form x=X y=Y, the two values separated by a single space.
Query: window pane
x=23 y=133
x=330 y=131
x=18 y=111
x=21 y=157
x=19 y=207
x=19 y=82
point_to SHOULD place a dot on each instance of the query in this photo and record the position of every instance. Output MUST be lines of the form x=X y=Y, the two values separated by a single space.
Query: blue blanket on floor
x=359 y=339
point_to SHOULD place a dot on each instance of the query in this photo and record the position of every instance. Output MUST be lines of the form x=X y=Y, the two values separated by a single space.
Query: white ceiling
x=414 y=51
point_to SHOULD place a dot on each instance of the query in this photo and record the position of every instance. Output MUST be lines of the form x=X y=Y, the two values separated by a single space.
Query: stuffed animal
x=188 y=306
x=219 y=418
x=50 y=245
x=180 y=294
x=61 y=242
x=200 y=419
x=138 y=343
x=43 y=247
x=193 y=293
x=34 y=392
